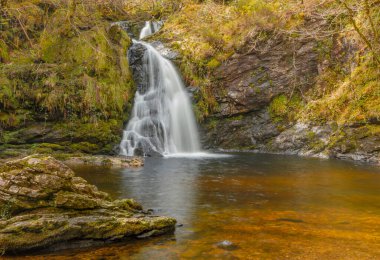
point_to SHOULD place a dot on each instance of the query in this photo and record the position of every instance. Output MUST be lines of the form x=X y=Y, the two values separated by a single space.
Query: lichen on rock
x=42 y=202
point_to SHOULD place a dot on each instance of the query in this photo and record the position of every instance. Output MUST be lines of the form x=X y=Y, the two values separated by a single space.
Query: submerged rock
x=227 y=245
x=42 y=203
x=108 y=161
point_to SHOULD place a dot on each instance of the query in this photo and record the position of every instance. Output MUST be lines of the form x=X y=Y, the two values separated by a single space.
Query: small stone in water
x=227 y=245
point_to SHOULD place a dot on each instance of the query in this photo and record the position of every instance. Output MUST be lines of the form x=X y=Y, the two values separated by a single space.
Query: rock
x=249 y=81
x=249 y=132
x=38 y=133
x=108 y=161
x=292 y=220
x=227 y=245
x=42 y=203
x=136 y=58
x=131 y=28
x=69 y=137
x=145 y=150
x=165 y=51
x=255 y=131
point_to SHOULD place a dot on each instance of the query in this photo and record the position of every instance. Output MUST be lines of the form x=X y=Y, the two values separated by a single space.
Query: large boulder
x=42 y=202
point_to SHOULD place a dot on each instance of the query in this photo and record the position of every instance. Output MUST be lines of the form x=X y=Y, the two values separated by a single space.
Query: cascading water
x=149 y=29
x=162 y=120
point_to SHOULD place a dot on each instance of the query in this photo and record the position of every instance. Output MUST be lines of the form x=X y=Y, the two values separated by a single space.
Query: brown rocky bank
x=43 y=203
x=251 y=84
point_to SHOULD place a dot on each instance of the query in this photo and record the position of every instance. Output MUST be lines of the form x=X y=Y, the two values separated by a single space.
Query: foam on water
x=198 y=155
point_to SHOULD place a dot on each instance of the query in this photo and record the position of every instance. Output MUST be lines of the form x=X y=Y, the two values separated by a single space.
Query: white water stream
x=162 y=120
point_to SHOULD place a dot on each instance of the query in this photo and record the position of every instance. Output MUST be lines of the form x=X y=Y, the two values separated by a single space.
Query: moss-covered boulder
x=105 y=161
x=42 y=202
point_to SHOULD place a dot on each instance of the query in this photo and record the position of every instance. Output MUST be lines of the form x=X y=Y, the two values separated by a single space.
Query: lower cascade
x=162 y=121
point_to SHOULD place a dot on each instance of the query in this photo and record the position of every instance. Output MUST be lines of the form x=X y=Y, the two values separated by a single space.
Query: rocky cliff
x=263 y=98
x=287 y=81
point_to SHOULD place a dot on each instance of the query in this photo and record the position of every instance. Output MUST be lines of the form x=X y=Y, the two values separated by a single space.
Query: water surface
x=267 y=206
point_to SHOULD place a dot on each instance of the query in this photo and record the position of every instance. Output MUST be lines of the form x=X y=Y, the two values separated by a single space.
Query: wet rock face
x=246 y=85
x=131 y=28
x=164 y=51
x=250 y=81
x=136 y=62
x=257 y=132
x=248 y=132
x=42 y=203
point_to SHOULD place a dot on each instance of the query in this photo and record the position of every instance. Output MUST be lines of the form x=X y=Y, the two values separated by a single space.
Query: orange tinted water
x=267 y=206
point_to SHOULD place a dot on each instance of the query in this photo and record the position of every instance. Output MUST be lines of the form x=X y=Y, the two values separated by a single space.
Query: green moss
x=206 y=102
x=213 y=63
x=9 y=153
x=278 y=107
x=310 y=135
x=66 y=156
x=48 y=148
x=281 y=108
x=236 y=118
x=317 y=146
x=4 y=52
x=85 y=147
x=42 y=150
x=256 y=89
x=55 y=147
x=212 y=124
x=6 y=211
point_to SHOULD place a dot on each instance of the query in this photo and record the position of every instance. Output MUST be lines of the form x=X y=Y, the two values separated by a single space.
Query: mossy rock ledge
x=43 y=203
x=104 y=161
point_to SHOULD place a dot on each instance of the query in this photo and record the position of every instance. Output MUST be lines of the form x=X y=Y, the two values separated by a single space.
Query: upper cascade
x=162 y=121
x=149 y=29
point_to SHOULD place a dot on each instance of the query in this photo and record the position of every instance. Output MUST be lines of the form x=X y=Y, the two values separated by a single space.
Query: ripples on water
x=248 y=206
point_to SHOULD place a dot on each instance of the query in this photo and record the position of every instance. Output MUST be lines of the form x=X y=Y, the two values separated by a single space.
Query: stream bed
x=247 y=206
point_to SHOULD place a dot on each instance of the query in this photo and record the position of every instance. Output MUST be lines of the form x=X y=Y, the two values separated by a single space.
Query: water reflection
x=169 y=186
x=268 y=206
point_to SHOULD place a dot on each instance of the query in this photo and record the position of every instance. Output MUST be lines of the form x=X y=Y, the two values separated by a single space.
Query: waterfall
x=149 y=29
x=162 y=121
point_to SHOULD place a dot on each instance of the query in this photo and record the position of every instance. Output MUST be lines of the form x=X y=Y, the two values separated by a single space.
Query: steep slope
x=65 y=83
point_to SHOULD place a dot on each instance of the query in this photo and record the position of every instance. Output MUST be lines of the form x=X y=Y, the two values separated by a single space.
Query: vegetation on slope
x=62 y=61
x=208 y=33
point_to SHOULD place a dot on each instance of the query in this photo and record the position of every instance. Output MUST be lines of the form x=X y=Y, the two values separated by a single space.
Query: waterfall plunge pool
x=247 y=206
